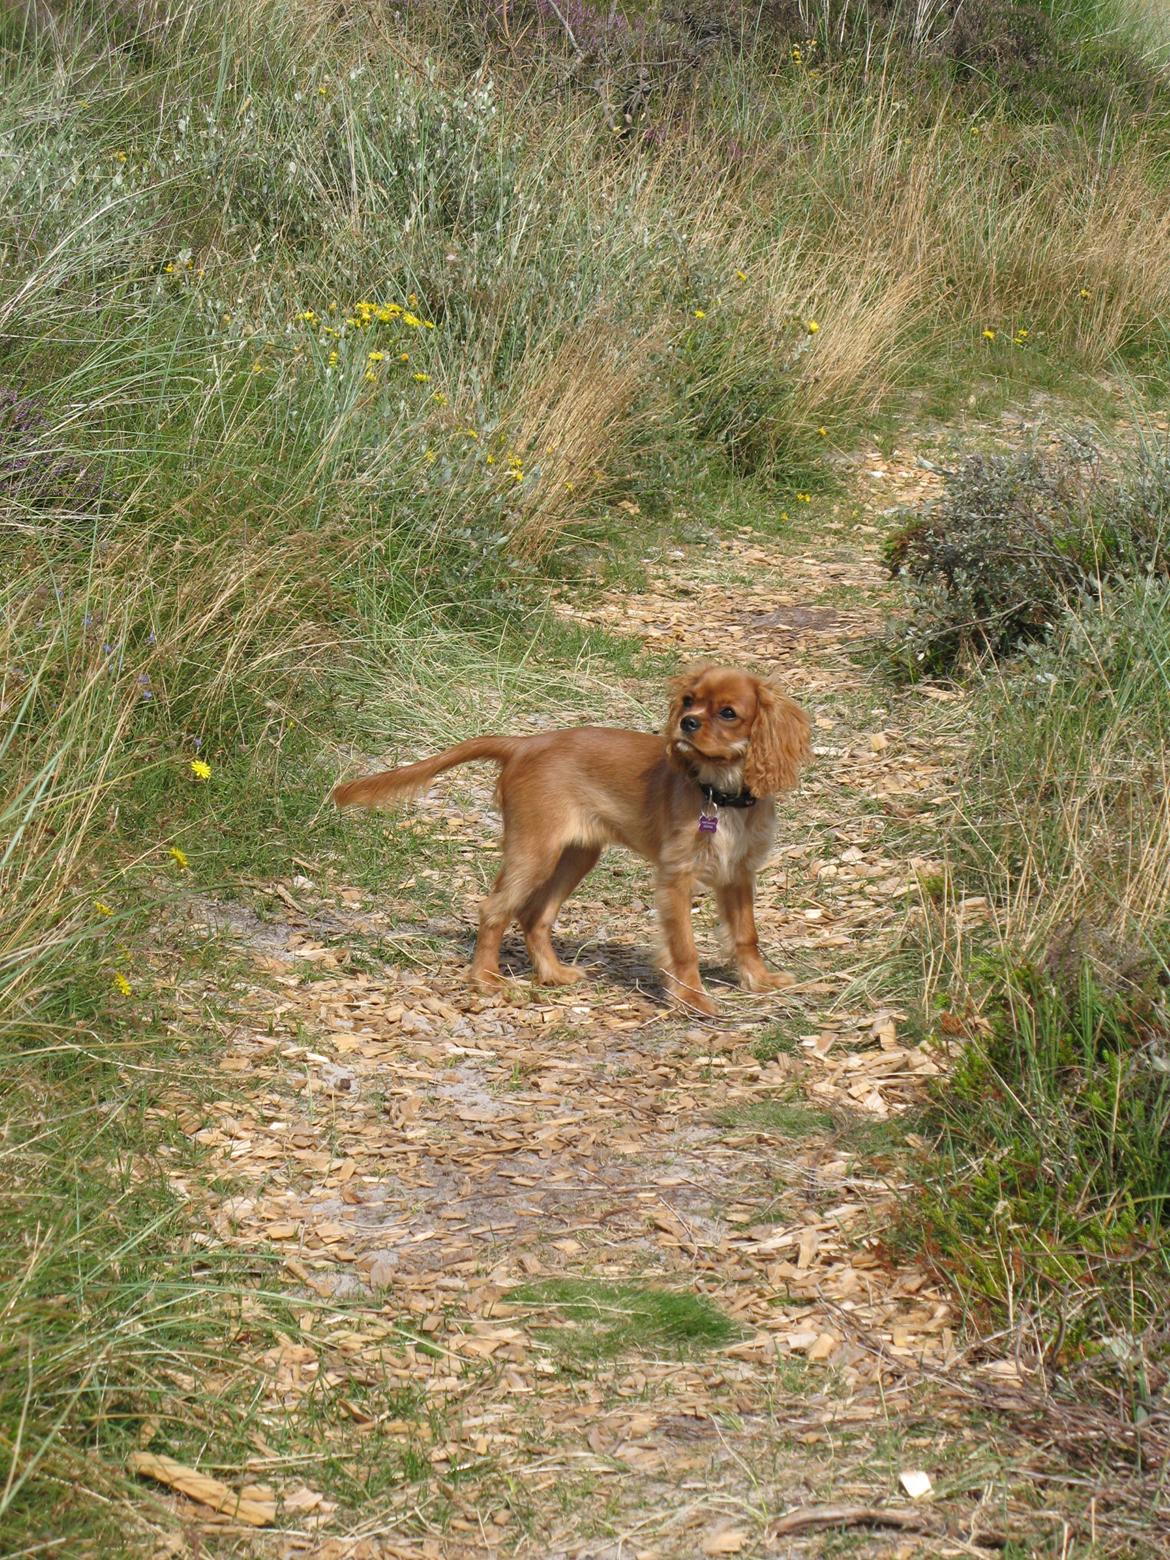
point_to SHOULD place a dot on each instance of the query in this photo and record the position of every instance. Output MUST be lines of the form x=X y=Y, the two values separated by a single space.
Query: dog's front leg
x=738 y=915
x=673 y=897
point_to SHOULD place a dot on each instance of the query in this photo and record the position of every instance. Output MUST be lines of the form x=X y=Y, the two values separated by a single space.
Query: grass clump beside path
x=1052 y=1201
x=322 y=352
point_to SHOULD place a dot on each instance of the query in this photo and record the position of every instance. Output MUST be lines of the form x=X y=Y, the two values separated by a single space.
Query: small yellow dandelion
x=1084 y=293
x=784 y=515
x=180 y=857
x=516 y=474
x=822 y=432
x=439 y=398
x=307 y=315
x=334 y=358
x=429 y=457
x=975 y=130
x=404 y=357
x=122 y=985
x=375 y=357
x=470 y=433
x=990 y=335
x=120 y=157
x=1021 y=334
x=570 y=487
x=370 y=377
x=422 y=379
x=741 y=275
x=428 y=324
x=412 y=319
x=412 y=299
x=200 y=770
x=322 y=91
x=101 y=907
x=812 y=327
x=257 y=367
x=700 y=314
x=804 y=498
x=491 y=460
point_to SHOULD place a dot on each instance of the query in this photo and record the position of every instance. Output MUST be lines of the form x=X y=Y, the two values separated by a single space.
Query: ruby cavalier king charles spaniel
x=697 y=802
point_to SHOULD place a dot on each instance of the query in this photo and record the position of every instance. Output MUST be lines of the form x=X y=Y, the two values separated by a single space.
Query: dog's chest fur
x=741 y=841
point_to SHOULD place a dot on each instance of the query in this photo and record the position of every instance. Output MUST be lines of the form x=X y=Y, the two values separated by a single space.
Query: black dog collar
x=728 y=798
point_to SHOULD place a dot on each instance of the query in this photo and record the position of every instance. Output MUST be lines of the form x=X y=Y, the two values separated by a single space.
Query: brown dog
x=698 y=804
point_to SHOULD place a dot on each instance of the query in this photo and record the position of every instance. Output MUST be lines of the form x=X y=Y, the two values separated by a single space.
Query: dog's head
x=724 y=721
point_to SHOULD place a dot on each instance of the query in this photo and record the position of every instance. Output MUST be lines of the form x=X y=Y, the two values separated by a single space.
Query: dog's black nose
x=690 y=723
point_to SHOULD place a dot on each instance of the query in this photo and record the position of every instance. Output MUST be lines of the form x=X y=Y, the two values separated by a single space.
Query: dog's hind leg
x=530 y=864
x=540 y=911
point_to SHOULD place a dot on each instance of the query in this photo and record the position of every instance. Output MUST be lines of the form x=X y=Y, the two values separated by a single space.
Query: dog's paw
x=767 y=980
x=486 y=980
x=561 y=975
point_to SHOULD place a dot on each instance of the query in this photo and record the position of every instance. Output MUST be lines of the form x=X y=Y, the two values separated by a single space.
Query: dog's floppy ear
x=779 y=743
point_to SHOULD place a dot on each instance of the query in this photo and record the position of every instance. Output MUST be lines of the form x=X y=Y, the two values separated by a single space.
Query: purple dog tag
x=708 y=825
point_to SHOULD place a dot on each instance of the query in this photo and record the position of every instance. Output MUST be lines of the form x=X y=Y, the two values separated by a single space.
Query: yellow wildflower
x=804 y=498
x=429 y=457
x=120 y=157
x=370 y=377
x=180 y=857
x=411 y=319
x=439 y=398
x=569 y=486
x=412 y=299
x=404 y=357
x=742 y=275
x=470 y=433
x=257 y=367
x=1084 y=293
x=422 y=379
x=101 y=907
x=307 y=315
x=322 y=91
x=700 y=314
x=428 y=324
x=812 y=327
x=491 y=459
x=122 y=985
x=375 y=357
x=823 y=432
x=200 y=770
x=334 y=358
x=990 y=335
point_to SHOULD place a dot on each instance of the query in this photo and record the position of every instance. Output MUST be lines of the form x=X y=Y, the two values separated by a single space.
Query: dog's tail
x=396 y=784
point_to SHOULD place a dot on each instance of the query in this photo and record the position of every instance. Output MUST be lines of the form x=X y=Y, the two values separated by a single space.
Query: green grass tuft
x=597 y=1320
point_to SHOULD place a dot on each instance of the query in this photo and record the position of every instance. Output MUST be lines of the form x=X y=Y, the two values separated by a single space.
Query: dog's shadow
x=618 y=964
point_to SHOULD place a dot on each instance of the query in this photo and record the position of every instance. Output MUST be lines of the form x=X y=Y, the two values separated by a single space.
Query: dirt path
x=584 y=1277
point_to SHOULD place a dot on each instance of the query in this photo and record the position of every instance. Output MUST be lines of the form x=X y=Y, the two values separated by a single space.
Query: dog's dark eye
x=727 y=713
x=688 y=700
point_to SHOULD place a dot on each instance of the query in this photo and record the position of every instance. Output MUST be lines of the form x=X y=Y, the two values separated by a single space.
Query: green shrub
x=1017 y=540
x=1053 y=1196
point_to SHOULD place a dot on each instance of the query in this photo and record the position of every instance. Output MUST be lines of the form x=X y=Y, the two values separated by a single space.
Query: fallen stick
x=203 y=1488
x=805 y=1518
